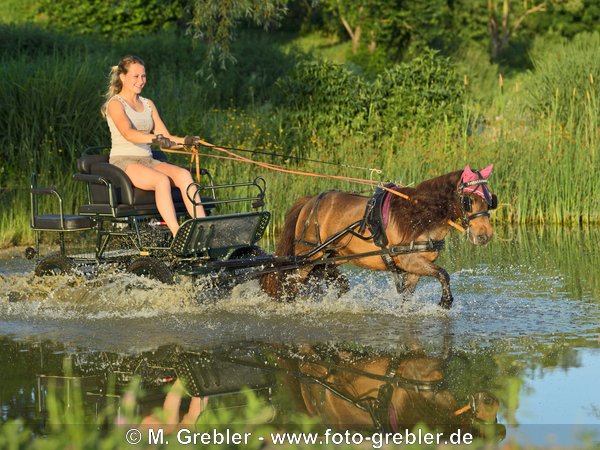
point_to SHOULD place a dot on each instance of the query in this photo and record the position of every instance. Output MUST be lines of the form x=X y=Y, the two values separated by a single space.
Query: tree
x=501 y=26
x=113 y=19
x=354 y=16
x=393 y=26
x=215 y=21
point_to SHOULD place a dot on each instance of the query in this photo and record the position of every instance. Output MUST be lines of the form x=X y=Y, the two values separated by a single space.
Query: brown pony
x=421 y=219
x=385 y=393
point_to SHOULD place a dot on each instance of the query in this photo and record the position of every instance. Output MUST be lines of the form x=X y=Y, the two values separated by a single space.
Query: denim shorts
x=123 y=161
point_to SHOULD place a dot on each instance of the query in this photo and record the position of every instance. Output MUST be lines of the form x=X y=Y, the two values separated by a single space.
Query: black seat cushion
x=71 y=222
x=103 y=209
x=125 y=192
x=146 y=209
x=141 y=196
x=130 y=200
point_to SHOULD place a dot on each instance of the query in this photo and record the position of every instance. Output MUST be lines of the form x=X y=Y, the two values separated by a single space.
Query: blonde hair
x=114 y=82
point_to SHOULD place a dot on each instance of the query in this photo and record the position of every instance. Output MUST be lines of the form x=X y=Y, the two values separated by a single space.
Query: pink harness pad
x=385 y=208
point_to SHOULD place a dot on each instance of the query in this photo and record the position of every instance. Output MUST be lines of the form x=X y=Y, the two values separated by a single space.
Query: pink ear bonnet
x=475 y=182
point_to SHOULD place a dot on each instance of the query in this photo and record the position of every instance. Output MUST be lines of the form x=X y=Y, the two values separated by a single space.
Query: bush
x=420 y=93
x=322 y=93
x=112 y=19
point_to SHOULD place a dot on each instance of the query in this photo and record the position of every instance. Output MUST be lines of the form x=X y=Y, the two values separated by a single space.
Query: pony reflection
x=385 y=393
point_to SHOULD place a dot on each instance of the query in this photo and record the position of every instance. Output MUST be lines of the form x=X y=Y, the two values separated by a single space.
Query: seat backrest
x=85 y=163
x=99 y=165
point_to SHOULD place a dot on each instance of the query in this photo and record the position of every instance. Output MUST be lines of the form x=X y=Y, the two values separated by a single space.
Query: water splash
x=491 y=302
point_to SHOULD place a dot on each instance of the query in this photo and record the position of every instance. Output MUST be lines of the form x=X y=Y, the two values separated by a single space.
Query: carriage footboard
x=215 y=236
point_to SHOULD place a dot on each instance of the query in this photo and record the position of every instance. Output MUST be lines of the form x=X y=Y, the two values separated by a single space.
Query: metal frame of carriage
x=122 y=215
x=222 y=245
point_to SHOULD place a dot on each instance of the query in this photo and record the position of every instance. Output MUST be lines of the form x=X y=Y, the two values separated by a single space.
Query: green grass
x=320 y=45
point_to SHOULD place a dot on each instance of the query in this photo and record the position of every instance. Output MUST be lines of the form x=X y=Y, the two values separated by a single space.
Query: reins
x=192 y=150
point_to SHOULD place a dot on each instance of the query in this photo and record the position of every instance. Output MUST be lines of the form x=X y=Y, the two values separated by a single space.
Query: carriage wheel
x=241 y=253
x=151 y=268
x=229 y=276
x=54 y=264
x=221 y=285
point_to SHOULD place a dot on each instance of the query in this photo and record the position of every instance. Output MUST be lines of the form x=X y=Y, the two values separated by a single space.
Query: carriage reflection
x=359 y=388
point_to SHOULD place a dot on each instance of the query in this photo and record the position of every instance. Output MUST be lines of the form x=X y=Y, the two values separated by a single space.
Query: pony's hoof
x=446 y=303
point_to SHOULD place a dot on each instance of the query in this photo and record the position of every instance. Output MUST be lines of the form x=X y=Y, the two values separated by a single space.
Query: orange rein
x=195 y=157
x=462 y=410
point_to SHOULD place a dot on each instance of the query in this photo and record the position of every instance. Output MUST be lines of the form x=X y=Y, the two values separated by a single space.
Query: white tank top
x=141 y=121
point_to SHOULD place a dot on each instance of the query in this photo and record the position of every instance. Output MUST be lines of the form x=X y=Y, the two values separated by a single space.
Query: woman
x=134 y=124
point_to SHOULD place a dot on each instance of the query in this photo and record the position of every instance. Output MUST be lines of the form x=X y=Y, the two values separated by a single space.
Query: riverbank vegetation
x=411 y=106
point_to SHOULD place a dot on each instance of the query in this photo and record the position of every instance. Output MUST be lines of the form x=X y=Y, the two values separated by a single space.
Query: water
x=524 y=326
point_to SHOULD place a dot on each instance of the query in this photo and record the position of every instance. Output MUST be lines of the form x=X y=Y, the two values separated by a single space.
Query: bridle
x=466 y=202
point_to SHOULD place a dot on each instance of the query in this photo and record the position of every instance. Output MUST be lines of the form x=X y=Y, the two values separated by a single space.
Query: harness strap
x=376 y=214
x=314 y=210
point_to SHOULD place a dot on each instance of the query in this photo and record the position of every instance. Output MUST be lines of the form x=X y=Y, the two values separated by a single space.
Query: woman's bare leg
x=182 y=178
x=168 y=418
x=197 y=406
x=153 y=180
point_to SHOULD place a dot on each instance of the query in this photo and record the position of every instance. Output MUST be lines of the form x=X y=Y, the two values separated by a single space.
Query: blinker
x=494 y=203
x=490 y=199
x=467 y=203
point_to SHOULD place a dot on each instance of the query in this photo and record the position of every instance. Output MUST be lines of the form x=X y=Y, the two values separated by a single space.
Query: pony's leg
x=332 y=276
x=337 y=278
x=409 y=285
x=293 y=280
x=397 y=273
x=422 y=267
x=398 y=276
x=444 y=278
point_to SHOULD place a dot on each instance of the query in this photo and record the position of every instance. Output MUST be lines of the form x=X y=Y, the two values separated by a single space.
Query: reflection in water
x=350 y=388
x=526 y=309
x=386 y=392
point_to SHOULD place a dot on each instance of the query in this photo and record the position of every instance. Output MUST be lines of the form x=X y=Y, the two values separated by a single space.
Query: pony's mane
x=432 y=203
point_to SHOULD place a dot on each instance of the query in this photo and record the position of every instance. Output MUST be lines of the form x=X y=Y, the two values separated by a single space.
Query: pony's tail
x=272 y=282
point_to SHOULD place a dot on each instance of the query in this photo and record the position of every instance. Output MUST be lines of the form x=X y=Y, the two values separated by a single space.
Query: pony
x=334 y=225
x=383 y=392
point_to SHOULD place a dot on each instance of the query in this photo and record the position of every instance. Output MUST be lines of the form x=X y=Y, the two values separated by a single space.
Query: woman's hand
x=191 y=140
x=163 y=142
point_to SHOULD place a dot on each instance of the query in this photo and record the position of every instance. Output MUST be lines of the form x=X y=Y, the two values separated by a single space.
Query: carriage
x=128 y=231
x=323 y=231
